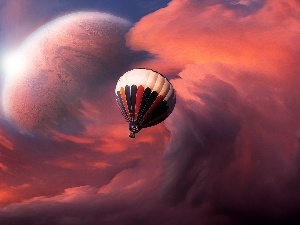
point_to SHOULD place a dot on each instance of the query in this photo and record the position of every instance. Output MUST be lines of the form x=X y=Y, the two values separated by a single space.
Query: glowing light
x=13 y=63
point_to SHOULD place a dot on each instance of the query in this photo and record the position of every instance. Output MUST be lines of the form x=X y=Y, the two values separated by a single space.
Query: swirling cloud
x=228 y=154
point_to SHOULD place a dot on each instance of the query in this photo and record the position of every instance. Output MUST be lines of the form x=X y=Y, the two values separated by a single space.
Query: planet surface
x=66 y=60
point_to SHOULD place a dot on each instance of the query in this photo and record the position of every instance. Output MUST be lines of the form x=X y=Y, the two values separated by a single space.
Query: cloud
x=204 y=128
x=6 y=143
x=51 y=166
x=117 y=201
x=216 y=33
x=234 y=129
x=228 y=154
x=3 y=167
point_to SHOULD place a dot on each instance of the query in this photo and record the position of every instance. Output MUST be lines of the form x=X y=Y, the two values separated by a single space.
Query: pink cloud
x=228 y=154
x=122 y=181
x=5 y=140
x=99 y=165
x=193 y=32
x=235 y=128
x=3 y=167
x=6 y=143
x=109 y=135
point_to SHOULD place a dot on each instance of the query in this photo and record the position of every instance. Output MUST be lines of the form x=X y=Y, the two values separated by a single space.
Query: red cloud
x=193 y=32
x=232 y=144
x=6 y=143
x=235 y=128
x=5 y=140
x=109 y=135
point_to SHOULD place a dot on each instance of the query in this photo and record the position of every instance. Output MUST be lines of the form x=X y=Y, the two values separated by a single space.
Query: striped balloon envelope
x=145 y=98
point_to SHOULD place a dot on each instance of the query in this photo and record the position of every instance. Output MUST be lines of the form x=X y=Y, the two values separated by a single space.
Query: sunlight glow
x=13 y=63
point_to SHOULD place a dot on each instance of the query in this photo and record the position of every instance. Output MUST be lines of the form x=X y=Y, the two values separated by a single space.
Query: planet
x=64 y=61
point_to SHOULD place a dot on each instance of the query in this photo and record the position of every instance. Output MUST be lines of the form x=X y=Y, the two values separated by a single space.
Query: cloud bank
x=234 y=133
x=228 y=154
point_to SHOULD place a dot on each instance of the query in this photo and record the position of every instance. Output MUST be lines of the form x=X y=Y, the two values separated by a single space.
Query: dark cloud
x=199 y=150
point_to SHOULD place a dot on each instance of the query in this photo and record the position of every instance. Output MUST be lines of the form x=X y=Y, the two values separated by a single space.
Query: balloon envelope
x=145 y=98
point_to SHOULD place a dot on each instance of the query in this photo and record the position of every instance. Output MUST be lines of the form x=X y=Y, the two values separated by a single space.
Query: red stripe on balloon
x=158 y=101
x=139 y=96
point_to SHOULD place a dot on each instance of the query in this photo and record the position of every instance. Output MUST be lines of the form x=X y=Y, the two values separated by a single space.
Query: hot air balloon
x=145 y=98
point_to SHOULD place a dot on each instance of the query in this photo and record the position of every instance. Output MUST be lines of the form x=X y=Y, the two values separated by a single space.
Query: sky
x=228 y=154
